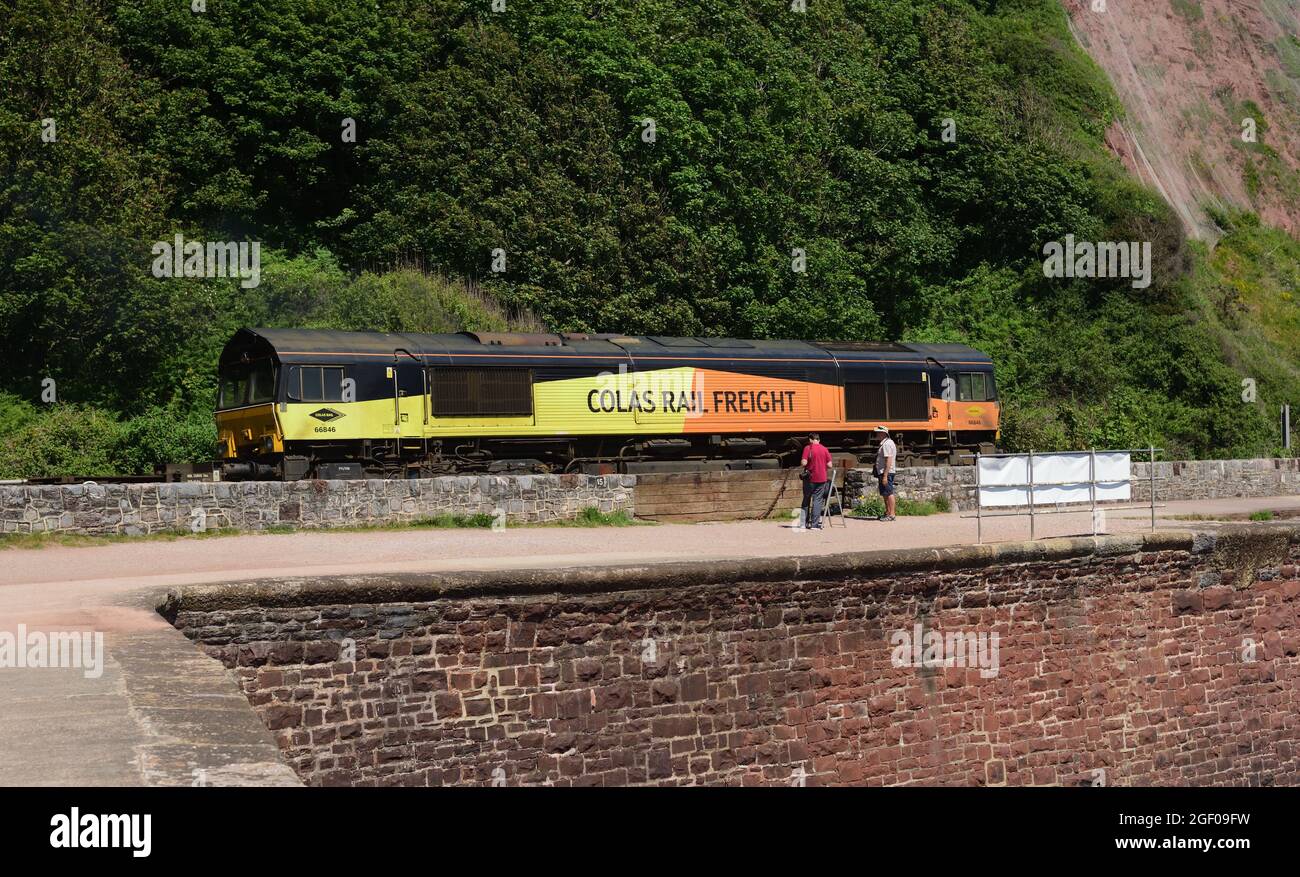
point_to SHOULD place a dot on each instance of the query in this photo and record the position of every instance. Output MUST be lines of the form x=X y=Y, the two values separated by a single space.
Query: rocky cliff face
x=1212 y=91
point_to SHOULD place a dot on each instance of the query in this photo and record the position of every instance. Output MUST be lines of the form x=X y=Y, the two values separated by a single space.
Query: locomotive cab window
x=246 y=384
x=470 y=392
x=973 y=387
x=314 y=383
x=234 y=387
x=261 y=384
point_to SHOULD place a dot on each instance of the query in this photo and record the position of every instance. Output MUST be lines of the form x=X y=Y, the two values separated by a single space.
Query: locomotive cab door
x=410 y=403
x=947 y=398
x=942 y=425
x=943 y=390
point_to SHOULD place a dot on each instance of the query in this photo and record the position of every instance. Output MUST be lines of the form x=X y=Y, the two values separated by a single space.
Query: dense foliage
x=776 y=133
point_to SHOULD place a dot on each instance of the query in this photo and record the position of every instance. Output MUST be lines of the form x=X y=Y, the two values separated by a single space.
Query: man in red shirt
x=816 y=460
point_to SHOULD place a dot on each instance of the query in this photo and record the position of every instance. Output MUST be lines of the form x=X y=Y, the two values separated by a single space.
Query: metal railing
x=1033 y=510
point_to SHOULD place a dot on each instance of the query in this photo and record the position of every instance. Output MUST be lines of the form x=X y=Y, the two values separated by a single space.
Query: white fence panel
x=1060 y=481
x=1002 y=481
x=1062 y=478
x=1058 y=478
x=1114 y=477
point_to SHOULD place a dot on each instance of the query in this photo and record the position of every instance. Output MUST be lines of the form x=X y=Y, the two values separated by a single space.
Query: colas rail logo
x=682 y=391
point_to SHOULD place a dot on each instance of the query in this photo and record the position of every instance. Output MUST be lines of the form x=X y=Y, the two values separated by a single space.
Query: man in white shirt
x=886 y=458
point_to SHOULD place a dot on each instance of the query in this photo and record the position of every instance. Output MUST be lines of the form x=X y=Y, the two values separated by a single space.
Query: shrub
x=481 y=520
x=15 y=413
x=874 y=507
x=165 y=436
x=65 y=440
x=594 y=517
x=84 y=440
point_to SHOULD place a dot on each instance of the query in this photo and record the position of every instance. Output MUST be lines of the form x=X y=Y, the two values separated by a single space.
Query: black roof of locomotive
x=304 y=345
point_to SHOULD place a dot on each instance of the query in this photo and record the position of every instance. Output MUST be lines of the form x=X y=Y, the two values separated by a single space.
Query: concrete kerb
x=193 y=724
x=199 y=727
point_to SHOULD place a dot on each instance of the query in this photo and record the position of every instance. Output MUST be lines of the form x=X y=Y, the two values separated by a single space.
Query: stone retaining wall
x=137 y=509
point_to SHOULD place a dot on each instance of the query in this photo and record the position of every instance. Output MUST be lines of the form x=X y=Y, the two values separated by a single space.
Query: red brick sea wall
x=1166 y=659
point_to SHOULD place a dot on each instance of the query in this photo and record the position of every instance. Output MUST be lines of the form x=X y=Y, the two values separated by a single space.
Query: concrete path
x=160 y=712
x=321 y=552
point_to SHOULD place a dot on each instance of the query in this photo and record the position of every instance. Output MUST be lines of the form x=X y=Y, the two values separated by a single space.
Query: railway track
x=95 y=479
x=164 y=473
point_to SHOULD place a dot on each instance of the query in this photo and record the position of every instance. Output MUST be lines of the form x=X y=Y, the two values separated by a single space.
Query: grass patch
x=904 y=508
x=1233 y=516
x=481 y=520
x=588 y=517
x=1188 y=9
x=594 y=517
x=41 y=540
x=80 y=540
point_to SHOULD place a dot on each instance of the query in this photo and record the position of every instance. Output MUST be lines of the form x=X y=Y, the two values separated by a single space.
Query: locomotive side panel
x=394 y=405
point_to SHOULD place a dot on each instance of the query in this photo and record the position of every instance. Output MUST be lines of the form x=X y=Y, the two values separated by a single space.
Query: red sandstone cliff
x=1189 y=72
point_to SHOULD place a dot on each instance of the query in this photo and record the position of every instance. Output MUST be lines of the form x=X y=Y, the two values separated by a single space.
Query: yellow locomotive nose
x=248 y=431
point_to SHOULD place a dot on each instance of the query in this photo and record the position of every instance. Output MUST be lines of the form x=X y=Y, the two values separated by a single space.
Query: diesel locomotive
x=299 y=403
